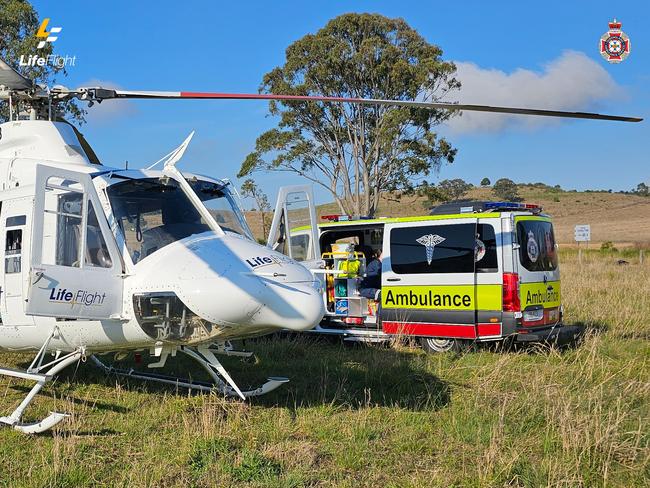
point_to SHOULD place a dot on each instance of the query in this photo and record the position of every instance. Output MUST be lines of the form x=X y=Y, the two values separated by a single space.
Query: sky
x=536 y=54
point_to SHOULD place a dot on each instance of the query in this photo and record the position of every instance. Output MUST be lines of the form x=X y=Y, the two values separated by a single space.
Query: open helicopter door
x=75 y=265
x=295 y=211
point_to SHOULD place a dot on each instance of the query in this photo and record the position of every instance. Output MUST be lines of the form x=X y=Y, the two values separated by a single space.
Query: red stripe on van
x=489 y=329
x=461 y=331
x=430 y=330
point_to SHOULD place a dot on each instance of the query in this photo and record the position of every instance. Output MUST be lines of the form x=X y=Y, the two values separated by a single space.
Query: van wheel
x=435 y=345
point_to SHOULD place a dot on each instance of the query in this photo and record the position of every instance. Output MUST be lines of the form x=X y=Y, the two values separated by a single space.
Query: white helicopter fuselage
x=114 y=259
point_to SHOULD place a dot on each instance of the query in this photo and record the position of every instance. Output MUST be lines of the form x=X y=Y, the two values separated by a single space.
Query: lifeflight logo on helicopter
x=259 y=261
x=46 y=37
x=84 y=297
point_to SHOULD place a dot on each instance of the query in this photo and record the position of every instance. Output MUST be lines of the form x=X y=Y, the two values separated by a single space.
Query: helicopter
x=102 y=260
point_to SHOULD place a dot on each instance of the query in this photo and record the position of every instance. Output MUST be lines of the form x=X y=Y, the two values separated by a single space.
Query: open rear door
x=75 y=265
x=294 y=230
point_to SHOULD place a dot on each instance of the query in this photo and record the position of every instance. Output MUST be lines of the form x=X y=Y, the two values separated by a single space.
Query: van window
x=536 y=245
x=433 y=249
x=486 y=250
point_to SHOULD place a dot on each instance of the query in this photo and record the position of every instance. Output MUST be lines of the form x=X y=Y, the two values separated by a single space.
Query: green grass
x=371 y=416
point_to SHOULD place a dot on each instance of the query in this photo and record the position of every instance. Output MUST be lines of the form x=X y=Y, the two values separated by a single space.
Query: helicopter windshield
x=222 y=206
x=155 y=212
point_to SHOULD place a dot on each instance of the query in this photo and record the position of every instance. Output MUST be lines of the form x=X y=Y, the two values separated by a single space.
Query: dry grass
x=374 y=416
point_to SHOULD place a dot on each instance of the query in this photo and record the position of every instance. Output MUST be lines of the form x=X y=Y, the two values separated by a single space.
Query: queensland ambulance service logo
x=532 y=248
x=46 y=36
x=430 y=241
x=614 y=44
x=479 y=250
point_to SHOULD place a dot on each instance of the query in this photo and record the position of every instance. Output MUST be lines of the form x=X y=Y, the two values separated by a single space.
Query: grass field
x=373 y=416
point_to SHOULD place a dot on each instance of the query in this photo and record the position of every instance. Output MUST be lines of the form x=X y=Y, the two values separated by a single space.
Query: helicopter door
x=294 y=230
x=75 y=266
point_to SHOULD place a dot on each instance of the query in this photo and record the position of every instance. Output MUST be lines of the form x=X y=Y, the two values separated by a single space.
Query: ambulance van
x=468 y=272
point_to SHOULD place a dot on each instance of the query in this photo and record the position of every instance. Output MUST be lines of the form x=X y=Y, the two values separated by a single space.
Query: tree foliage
x=354 y=151
x=454 y=189
x=506 y=189
x=249 y=189
x=432 y=194
x=486 y=182
x=18 y=25
x=642 y=190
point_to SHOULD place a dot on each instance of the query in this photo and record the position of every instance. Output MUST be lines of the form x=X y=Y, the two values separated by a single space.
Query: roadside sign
x=582 y=233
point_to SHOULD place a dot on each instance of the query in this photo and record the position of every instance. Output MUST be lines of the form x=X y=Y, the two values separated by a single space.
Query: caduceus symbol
x=430 y=241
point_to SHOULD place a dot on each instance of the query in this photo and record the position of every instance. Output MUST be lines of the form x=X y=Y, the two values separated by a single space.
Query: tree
x=485 y=182
x=250 y=189
x=18 y=26
x=357 y=151
x=454 y=189
x=506 y=189
x=432 y=194
x=642 y=190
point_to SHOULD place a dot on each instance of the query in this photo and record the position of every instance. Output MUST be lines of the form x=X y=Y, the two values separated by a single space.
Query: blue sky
x=228 y=46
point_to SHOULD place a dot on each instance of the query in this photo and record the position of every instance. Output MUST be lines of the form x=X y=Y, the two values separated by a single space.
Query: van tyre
x=434 y=345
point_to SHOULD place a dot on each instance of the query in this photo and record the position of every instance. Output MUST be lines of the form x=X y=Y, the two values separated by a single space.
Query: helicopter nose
x=243 y=289
x=293 y=306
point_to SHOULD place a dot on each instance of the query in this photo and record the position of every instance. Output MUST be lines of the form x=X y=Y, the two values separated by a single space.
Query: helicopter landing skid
x=222 y=382
x=41 y=375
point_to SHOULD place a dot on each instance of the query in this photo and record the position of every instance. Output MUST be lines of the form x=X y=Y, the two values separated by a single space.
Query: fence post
x=641 y=256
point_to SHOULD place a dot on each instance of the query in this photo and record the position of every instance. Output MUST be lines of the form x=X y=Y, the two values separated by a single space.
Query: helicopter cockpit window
x=153 y=213
x=222 y=205
x=64 y=227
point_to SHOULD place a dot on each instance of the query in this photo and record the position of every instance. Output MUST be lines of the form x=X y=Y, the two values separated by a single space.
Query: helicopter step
x=41 y=374
x=222 y=382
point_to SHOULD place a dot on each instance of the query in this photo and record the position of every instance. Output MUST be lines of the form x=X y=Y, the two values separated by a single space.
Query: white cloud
x=108 y=110
x=572 y=82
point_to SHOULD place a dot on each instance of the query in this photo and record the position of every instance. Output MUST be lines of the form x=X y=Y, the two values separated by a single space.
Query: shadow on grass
x=95 y=404
x=326 y=372
x=321 y=373
x=570 y=336
x=592 y=328
x=71 y=432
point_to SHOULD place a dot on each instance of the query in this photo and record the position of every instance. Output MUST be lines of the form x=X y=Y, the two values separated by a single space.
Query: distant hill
x=622 y=219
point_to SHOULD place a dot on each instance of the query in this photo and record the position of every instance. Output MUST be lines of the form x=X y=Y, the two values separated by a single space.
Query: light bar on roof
x=531 y=206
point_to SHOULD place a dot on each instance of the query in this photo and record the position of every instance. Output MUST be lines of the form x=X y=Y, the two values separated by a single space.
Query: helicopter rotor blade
x=369 y=101
x=13 y=80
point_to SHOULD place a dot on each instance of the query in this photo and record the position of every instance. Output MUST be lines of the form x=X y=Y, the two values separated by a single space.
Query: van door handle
x=394 y=279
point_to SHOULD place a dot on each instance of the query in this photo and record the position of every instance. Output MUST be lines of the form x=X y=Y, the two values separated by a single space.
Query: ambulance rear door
x=489 y=277
x=538 y=269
